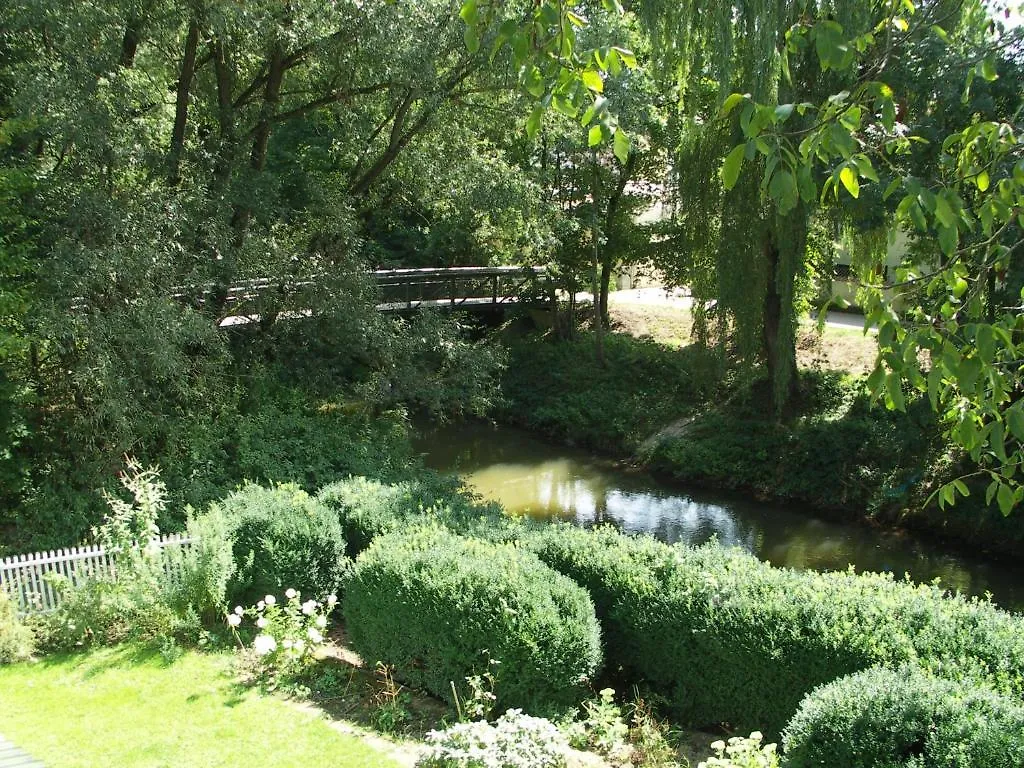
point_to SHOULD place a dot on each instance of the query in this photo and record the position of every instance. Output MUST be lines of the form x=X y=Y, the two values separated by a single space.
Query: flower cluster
x=742 y=753
x=287 y=632
x=514 y=741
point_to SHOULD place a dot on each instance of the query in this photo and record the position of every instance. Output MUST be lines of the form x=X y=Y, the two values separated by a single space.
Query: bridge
x=476 y=289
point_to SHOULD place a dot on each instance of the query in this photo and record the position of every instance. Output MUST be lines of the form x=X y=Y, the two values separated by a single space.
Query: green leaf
x=627 y=56
x=730 y=103
x=875 y=380
x=592 y=80
x=849 y=178
x=594 y=136
x=782 y=112
x=1004 y=497
x=894 y=393
x=944 y=212
x=468 y=12
x=731 y=166
x=471 y=38
x=1015 y=421
x=621 y=145
x=533 y=122
x=988 y=69
x=982 y=181
x=783 y=191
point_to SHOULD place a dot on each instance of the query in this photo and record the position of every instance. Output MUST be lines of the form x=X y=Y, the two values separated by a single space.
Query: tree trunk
x=188 y=68
x=606 y=279
x=225 y=118
x=780 y=358
x=130 y=42
x=261 y=135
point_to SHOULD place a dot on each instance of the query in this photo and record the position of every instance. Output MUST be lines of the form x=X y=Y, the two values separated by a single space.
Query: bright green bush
x=727 y=638
x=904 y=719
x=16 y=640
x=367 y=508
x=283 y=538
x=198 y=575
x=437 y=606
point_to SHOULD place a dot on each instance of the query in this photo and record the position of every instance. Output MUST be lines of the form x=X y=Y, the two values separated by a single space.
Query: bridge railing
x=268 y=298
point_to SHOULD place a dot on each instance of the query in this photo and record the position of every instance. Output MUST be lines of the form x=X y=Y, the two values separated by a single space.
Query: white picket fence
x=31 y=580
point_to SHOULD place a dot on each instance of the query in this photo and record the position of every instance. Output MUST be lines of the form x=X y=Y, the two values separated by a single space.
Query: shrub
x=435 y=605
x=514 y=741
x=283 y=538
x=367 y=508
x=904 y=719
x=727 y=638
x=199 y=574
x=743 y=752
x=16 y=640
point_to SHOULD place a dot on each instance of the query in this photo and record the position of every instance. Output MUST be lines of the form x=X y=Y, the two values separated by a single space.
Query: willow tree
x=740 y=244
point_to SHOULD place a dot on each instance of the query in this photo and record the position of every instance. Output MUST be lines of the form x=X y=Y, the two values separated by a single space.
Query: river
x=530 y=476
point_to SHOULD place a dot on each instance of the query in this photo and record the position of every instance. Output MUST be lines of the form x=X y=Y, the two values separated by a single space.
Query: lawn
x=127 y=707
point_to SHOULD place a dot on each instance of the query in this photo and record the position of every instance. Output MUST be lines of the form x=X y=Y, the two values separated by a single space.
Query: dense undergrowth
x=833 y=449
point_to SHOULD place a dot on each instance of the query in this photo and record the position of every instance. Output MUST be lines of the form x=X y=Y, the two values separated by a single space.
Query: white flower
x=239 y=610
x=261 y=623
x=270 y=599
x=287 y=643
x=308 y=607
x=300 y=645
x=321 y=621
x=234 y=619
x=314 y=635
x=264 y=644
x=290 y=593
x=260 y=605
x=332 y=600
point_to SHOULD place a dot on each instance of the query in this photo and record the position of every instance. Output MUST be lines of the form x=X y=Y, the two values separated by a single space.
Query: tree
x=959 y=343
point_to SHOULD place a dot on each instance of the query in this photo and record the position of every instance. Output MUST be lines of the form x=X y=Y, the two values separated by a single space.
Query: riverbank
x=834 y=451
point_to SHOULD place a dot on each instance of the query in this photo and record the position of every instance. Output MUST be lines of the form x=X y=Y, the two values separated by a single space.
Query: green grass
x=127 y=707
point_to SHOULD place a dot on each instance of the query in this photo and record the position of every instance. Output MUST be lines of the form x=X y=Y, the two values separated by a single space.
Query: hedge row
x=904 y=719
x=729 y=639
x=437 y=606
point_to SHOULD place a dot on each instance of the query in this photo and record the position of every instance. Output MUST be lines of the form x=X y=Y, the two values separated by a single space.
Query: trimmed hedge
x=729 y=639
x=367 y=508
x=436 y=606
x=282 y=537
x=904 y=719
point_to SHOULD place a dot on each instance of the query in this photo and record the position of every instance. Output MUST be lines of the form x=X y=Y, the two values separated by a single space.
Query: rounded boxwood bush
x=282 y=538
x=729 y=639
x=436 y=606
x=904 y=719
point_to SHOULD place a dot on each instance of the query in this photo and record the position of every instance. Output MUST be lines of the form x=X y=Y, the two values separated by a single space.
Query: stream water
x=530 y=476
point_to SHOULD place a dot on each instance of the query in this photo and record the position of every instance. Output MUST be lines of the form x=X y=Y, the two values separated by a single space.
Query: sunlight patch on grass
x=126 y=707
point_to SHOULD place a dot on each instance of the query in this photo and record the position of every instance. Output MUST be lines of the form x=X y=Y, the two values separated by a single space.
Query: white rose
x=264 y=644
x=234 y=619
x=270 y=599
x=261 y=623
x=290 y=593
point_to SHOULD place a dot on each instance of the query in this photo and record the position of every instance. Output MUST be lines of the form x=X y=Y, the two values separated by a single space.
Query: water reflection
x=528 y=476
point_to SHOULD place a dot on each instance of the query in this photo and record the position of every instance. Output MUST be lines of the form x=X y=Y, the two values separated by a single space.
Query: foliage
x=905 y=719
x=287 y=635
x=727 y=638
x=138 y=706
x=199 y=574
x=16 y=639
x=838 y=453
x=438 y=607
x=964 y=206
x=368 y=508
x=282 y=538
x=742 y=752
x=391 y=710
x=601 y=729
x=642 y=387
x=515 y=740
x=145 y=597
